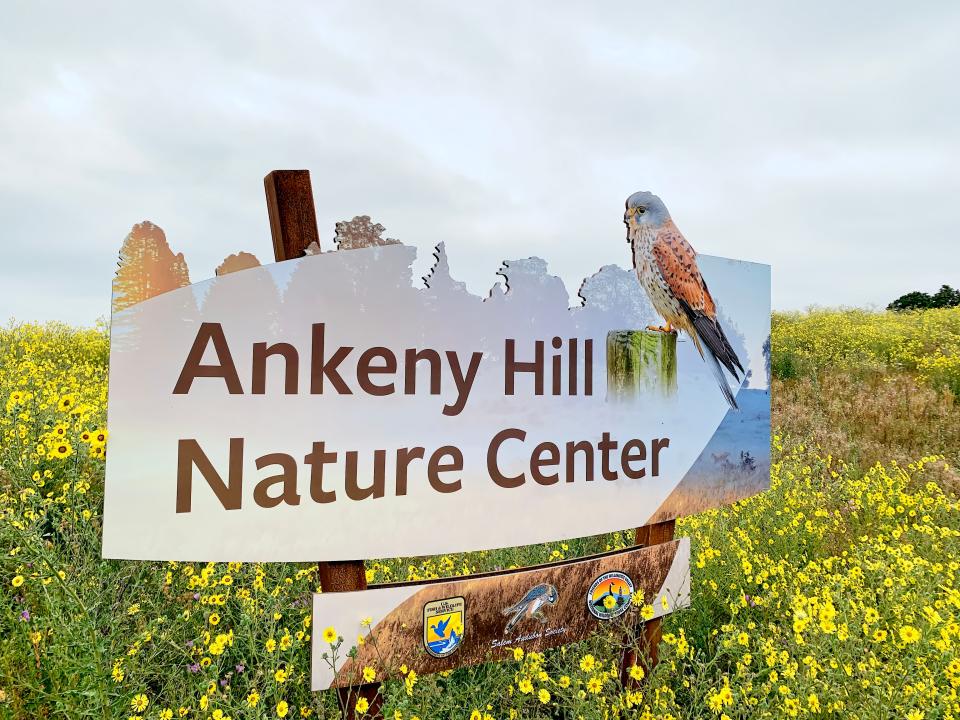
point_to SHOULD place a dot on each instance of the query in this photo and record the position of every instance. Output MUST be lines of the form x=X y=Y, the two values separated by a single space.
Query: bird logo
x=440 y=627
x=666 y=265
x=444 y=625
x=530 y=605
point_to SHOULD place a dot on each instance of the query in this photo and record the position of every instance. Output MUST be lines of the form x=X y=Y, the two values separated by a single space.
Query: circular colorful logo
x=609 y=595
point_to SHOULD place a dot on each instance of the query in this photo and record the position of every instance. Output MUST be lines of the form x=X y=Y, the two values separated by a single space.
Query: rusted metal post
x=293 y=226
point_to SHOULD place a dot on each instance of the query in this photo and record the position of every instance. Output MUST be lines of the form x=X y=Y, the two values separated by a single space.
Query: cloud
x=820 y=138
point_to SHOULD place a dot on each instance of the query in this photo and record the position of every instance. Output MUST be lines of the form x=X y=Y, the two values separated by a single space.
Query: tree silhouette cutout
x=147 y=267
x=360 y=233
x=260 y=292
x=238 y=261
x=439 y=279
x=615 y=291
x=378 y=283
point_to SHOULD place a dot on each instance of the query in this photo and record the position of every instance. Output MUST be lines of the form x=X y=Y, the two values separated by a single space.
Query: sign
x=327 y=408
x=441 y=625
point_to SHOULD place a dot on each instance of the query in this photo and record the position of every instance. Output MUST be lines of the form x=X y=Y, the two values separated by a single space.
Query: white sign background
x=366 y=298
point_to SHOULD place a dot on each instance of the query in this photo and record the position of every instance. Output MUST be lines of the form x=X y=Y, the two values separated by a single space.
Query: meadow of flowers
x=925 y=343
x=835 y=594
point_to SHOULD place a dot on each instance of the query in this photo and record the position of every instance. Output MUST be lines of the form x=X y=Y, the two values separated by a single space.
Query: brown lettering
x=192 y=368
x=606 y=446
x=464 y=382
x=376 y=489
x=319 y=369
x=658 y=445
x=261 y=351
x=582 y=446
x=512 y=366
x=435 y=467
x=498 y=477
x=190 y=454
x=404 y=456
x=316 y=459
x=366 y=368
x=288 y=478
x=628 y=456
x=537 y=462
x=588 y=367
x=412 y=357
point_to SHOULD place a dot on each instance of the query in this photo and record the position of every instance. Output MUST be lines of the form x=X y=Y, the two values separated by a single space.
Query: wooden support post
x=293 y=225
x=653 y=630
x=293 y=219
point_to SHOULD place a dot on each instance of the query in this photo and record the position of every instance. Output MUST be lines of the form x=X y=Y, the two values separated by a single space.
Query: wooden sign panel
x=431 y=627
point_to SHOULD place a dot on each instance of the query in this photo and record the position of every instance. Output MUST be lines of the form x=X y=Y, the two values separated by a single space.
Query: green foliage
x=923 y=343
x=833 y=595
x=945 y=297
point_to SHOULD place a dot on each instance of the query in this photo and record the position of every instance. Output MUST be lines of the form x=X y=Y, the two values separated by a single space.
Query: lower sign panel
x=445 y=624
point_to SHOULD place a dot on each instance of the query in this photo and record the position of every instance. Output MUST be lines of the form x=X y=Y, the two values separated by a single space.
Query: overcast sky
x=822 y=138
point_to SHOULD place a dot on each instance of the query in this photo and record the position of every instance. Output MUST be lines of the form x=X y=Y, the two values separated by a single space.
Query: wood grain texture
x=293 y=226
x=652 y=631
x=489 y=634
x=293 y=218
x=342 y=576
x=655 y=533
x=640 y=362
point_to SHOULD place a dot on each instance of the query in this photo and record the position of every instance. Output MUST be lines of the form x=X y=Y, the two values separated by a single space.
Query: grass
x=924 y=344
x=832 y=595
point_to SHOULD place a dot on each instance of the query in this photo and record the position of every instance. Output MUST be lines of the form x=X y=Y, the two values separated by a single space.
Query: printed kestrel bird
x=667 y=267
x=530 y=604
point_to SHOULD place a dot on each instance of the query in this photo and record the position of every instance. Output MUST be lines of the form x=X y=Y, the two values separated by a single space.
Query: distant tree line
x=946 y=296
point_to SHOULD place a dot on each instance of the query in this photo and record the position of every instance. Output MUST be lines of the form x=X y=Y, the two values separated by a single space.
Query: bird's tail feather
x=721 y=379
x=707 y=331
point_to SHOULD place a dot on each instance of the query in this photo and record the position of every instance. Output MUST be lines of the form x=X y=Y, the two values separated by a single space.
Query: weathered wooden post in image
x=640 y=362
x=293 y=226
